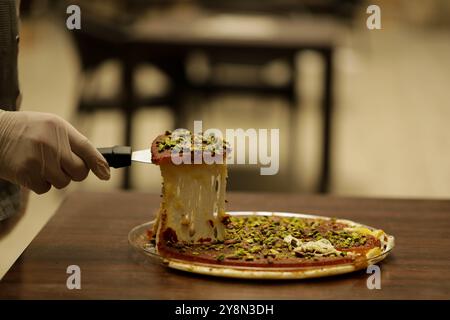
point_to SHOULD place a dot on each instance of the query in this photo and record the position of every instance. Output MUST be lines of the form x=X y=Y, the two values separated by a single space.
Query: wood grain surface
x=90 y=230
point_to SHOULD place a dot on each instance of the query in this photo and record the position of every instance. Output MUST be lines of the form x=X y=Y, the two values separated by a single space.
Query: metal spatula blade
x=144 y=156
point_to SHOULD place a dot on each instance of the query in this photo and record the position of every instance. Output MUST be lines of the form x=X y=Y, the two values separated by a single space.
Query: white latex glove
x=40 y=150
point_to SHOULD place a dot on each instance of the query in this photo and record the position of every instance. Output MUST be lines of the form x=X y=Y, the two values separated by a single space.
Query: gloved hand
x=38 y=150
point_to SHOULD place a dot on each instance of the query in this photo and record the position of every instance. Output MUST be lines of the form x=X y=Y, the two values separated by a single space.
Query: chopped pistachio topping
x=274 y=238
x=184 y=140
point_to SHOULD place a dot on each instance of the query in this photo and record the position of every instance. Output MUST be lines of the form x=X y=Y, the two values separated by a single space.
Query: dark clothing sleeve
x=10 y=195
x=9 y=37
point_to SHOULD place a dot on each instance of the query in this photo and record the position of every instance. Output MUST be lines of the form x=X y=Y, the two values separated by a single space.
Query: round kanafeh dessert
x=193 y=232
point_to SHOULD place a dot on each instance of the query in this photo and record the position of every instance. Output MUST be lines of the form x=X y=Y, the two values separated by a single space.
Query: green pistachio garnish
x=262 y=237
x=193 y=142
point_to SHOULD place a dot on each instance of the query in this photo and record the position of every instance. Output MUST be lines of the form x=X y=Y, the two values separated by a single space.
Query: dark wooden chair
x=166 y=42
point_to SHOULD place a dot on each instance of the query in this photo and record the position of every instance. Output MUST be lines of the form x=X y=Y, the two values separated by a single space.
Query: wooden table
x=90 y=230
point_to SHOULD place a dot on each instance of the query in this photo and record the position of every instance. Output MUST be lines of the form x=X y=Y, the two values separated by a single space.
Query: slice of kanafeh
x=193 y=195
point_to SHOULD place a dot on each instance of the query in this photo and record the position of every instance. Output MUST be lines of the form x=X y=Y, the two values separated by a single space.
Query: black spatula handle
x=117 y=156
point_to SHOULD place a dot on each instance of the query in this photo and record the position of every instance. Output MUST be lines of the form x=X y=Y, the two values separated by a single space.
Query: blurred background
x=361 y=112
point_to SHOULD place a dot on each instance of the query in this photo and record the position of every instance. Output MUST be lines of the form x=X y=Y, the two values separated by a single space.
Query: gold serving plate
x=139 y=240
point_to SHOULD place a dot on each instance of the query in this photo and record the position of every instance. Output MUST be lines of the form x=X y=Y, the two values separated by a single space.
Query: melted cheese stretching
x=193 y=202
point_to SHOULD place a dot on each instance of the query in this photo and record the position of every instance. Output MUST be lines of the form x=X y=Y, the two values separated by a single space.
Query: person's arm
x=40 y=150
